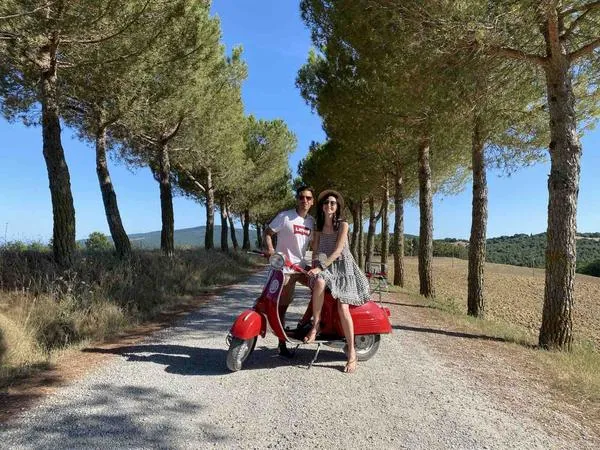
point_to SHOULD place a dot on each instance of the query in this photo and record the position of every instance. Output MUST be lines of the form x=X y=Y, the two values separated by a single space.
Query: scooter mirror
x=277 y=261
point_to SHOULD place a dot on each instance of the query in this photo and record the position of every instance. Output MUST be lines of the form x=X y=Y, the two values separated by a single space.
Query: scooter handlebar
x=287 y=263
x=295 y=267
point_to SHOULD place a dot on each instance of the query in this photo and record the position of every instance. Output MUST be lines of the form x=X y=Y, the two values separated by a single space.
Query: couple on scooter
x=338 y=272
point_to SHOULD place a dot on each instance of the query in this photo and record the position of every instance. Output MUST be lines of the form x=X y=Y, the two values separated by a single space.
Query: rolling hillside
x=517 y=250
x=186 y=237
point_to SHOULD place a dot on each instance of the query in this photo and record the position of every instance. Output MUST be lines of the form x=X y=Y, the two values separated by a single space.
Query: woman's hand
x=314 y=272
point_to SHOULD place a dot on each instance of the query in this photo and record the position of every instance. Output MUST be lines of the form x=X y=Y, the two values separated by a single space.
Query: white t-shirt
x=294 y=233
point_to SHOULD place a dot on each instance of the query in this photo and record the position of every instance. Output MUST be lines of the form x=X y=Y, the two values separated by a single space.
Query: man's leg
x=287 y=294
x=305 y=320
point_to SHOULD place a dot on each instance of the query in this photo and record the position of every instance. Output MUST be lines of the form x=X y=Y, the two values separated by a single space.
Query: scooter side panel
x=370 y=318
x=271 y=294
x=249 y=324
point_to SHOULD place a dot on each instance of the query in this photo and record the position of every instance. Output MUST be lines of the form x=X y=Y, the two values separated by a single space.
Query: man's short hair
x=304 y=188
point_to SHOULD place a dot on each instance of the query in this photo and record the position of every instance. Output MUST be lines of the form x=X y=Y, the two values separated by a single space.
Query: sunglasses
x=330 y=202
x=304 y=197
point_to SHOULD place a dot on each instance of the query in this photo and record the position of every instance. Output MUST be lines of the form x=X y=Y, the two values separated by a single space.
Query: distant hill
x=185 y=237
x=529 y=250
x=517 y=250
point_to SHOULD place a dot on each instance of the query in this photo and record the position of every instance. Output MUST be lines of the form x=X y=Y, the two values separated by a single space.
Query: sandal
x=312 y=335
x=350 y=365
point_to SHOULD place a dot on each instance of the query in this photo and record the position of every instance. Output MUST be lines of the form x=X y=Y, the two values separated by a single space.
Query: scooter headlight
x=277 y=261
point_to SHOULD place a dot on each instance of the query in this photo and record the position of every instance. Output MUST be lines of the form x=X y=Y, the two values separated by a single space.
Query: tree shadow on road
x=127 y=416
x=410 y=305
x=186 y=360
x=458 y=334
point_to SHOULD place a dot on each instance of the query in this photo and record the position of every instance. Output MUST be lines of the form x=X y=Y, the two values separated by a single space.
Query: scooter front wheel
x=366 y=345
x=239 y=350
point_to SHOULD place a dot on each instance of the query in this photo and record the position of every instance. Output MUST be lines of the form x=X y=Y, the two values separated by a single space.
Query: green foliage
x=14 y=246
x=98 y=242
x=265 y=185
x=529 y=250
x=592 y=268
x=20 y=246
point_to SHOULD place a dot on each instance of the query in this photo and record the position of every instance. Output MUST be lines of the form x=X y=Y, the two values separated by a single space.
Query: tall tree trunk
x=246 y=244
x=361 y=241
x=224 y=227
x=475 y=297
x=556 y=330
x=354 y=208
x=259 y=242
x=209 y=236
x=371 y=232
x=399 y=226
x=167 y=239
x=234 y=240
x=426 y=222
x=385 y=223
x=63 y=211
x=111 y=208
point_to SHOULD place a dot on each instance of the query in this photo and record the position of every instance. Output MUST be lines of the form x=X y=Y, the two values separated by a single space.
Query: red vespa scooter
x=370 y=322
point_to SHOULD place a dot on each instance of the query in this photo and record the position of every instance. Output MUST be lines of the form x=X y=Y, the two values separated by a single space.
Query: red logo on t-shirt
x=301 y=229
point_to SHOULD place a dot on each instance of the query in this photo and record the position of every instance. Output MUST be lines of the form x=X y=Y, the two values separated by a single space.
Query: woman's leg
x=318 y=296
x=348 y=327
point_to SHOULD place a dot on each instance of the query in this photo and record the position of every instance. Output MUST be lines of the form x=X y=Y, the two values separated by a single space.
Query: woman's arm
x=315 y=247
x=342 y=237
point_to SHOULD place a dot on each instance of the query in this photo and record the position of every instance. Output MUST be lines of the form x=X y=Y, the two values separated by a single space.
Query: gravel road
x=174 y=391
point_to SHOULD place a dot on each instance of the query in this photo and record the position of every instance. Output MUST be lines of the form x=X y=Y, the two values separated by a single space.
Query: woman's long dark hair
x=339 y=218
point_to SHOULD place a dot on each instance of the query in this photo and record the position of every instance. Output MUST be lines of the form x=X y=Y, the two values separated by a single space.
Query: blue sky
x=275 y=45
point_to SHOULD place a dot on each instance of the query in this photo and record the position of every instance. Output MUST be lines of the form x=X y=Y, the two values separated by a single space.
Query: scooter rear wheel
x=366 y=346
x=238 y=352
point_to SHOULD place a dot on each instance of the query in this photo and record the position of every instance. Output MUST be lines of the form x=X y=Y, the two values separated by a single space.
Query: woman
x=339 y=272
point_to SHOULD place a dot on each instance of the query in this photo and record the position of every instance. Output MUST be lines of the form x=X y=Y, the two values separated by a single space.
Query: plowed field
x=513 y=294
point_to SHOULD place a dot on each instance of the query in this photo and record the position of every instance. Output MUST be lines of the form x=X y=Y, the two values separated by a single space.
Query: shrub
x=102 y=319
x=14 y=246
x=52 y=323
x=101 y=293
x=98 y=242
x=2 y=346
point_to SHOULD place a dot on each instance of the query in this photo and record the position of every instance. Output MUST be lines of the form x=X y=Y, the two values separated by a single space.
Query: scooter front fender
x=249 y=324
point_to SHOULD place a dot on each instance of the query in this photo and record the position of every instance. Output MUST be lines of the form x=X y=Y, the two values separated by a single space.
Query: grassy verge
x=452 y=312
x=576 y=373
x=44 y=310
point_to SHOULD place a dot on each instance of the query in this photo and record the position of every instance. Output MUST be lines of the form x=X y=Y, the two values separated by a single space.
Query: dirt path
x=507 y=372
x=173 y=390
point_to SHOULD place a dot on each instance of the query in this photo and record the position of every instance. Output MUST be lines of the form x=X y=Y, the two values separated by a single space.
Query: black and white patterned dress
x=343 y=277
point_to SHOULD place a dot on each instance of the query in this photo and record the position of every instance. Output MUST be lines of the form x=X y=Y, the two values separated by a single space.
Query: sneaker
x=283 y=350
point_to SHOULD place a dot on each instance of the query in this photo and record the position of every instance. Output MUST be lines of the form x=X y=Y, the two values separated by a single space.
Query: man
x=294 y=230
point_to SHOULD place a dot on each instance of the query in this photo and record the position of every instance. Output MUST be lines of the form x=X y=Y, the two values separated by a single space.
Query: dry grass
x=576 y=373
x=514 y=301
x=43 y=310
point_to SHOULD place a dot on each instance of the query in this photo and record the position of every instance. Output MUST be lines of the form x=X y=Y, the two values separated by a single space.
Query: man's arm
x=268 y=242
